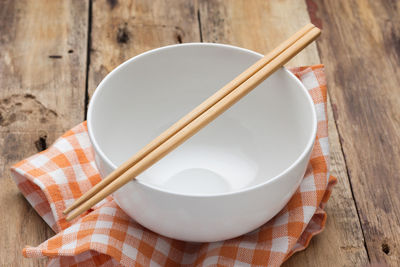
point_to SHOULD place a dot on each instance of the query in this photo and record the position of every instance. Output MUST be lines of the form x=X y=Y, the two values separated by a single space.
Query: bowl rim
x=308 y=147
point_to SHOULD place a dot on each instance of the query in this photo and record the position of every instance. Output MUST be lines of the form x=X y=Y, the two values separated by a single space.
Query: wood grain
x=257 y=25
x=42 y=67
x=123 y=29
x=361 y=51
x=341 y=243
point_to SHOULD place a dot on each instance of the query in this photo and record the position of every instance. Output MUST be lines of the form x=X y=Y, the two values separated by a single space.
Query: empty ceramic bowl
x=232 y=176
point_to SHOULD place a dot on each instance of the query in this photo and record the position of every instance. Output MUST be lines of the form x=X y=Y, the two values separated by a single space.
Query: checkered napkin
x=106 y=236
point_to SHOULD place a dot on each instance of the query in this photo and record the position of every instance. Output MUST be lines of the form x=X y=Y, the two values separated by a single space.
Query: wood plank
x=123 y=29
x=42 y=64
x=361 y=50
x=257 y=25
x=270 y=23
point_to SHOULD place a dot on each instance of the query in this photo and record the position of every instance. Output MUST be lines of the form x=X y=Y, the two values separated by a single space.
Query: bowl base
x=198 y=181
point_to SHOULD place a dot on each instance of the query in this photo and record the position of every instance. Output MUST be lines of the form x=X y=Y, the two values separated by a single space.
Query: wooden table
x=53 y=54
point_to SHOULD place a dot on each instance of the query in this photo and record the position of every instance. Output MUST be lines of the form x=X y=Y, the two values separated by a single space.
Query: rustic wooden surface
x=54 y=53
x=42 y=93
x=362 y=56
x=121 y=30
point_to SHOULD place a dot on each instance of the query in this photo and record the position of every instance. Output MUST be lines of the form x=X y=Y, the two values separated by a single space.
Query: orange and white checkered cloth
x=106 y=236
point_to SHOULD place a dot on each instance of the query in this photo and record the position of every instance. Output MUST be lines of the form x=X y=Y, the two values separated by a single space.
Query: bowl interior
x=255 y=140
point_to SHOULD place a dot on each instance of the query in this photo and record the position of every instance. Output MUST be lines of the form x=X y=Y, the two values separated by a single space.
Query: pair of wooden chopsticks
x=195 y=120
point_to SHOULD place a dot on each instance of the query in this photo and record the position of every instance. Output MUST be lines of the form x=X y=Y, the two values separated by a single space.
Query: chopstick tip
x=66 y=211
x=317 y=30
x=70 y=217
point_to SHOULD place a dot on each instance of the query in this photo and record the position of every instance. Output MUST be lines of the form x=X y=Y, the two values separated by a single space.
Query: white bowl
x=232 y=176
